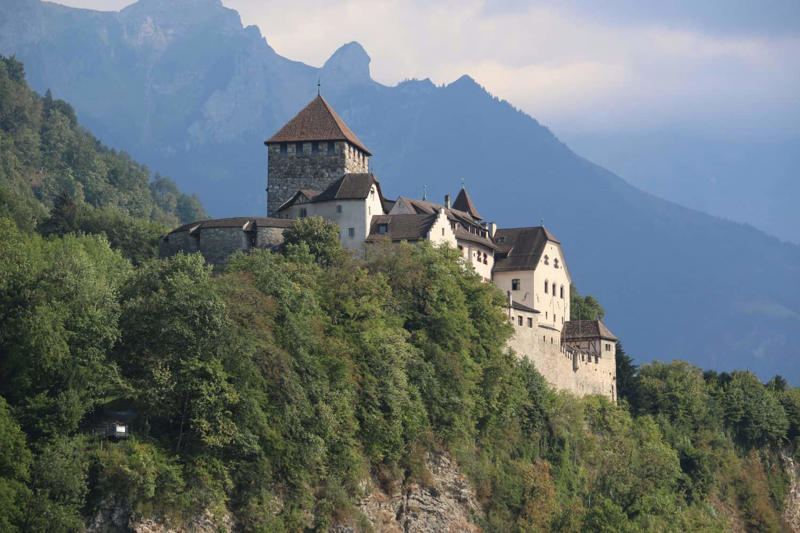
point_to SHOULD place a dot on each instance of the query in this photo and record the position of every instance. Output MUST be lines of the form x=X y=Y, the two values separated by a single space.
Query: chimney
x=492 y=229
x=447 y=201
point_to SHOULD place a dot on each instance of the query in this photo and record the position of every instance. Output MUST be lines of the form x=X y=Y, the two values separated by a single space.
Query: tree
x=584 y=307
x=321 y=237
x=626 y=374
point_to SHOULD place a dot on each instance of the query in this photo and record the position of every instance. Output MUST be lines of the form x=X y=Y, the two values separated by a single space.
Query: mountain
x=188 y=90
x=754 y=181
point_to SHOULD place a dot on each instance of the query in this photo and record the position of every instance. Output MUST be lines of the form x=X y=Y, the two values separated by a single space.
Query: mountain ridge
x=676 y=283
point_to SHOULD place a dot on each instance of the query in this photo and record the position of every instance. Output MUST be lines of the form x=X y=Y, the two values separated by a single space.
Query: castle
x=317 y=167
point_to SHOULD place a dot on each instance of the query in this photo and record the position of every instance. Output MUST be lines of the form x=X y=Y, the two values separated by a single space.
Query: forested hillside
x=274 y=395
x=49 y=165
x=185 y=87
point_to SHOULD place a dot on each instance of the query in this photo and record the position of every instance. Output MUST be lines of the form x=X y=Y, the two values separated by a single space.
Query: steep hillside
x=188 y=90
x=309 y=390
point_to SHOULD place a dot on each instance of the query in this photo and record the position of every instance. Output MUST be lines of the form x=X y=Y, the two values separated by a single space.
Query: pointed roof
x=464 y=203
x=316 y=122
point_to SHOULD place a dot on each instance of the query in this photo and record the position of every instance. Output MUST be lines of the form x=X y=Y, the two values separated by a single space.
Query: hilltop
x=194 y=97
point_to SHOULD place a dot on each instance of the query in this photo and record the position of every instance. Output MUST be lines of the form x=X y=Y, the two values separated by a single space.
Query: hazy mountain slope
x=185 y=88
x=752 y=181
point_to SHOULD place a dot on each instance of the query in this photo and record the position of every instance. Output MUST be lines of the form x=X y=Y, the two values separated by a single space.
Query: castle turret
x=311 y=151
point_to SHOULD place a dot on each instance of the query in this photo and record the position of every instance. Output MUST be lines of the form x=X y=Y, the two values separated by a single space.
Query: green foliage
x=47 y=158
x=584 y=307
x=15 y=463
x=320 y=236
x=269 y=393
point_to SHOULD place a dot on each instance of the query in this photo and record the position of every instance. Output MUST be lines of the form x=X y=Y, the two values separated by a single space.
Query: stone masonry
x=315 y=168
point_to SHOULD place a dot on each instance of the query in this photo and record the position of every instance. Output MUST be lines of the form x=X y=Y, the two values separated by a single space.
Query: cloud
x=728 y=66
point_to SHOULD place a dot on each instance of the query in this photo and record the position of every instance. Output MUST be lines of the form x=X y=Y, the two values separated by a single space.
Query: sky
x=722 y=68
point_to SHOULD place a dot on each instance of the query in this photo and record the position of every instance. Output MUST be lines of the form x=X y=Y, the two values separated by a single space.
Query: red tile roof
x=316 y=122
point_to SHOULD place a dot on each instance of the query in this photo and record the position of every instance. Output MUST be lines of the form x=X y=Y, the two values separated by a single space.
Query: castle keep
x=316 y=166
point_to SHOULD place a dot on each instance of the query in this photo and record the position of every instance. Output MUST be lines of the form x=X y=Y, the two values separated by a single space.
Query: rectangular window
x=383 y=228
x=351 y=232
x=283 y=149
x=442 y=232
x=315 y=147
x=298 y=148
x=303 y=212
x=331 y=147
x=530 y=322
x=519 y=320
x=339 y=208
x=514 y=284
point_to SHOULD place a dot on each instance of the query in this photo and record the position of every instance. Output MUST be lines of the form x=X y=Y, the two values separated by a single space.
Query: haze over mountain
x=184 y=87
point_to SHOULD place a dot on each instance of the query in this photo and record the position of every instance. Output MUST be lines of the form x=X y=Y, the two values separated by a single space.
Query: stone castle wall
x=563 y=366
x=289 y=172
x=217 y=244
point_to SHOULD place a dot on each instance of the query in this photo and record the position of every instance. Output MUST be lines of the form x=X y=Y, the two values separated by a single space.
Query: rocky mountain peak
x=349 y=65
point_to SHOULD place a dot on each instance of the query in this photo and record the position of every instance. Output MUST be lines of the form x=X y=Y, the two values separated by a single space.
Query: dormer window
x=501 y=239
x=383 y=228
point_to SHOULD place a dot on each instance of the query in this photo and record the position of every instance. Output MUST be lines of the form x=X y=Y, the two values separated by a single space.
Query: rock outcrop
x=446 y=503
x=791 y=509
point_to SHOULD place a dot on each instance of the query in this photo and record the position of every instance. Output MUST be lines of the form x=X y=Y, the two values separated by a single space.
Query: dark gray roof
x=520 y=248
x=522 y=307
x=424 y=206
x=464 y=203
x=354 y=186
x=246 y=223
x=349 y=187
x=464 y=235
x=316 y=122
x=401 y=227
x=586 y=329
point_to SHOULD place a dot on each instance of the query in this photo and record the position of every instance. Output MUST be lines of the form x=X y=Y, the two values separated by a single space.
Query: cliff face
x=446 y=503
x=791 y=510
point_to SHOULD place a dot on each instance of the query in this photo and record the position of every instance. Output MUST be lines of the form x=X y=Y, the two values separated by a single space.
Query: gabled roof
x=424 y=206
x=586 y=329
x=521 y=248
x=354 y=186
x=316 y=122
x=464 y=203
x=245 y=223
x=401 y=227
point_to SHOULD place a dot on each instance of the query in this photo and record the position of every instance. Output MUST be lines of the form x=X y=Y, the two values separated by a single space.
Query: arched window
x=546 y=286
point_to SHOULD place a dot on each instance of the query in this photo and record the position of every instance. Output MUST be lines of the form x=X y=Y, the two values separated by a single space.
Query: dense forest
x=55 y=176
x=269 y=391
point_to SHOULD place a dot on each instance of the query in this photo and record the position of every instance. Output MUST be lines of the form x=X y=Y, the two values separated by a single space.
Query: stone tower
x=310 y=152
